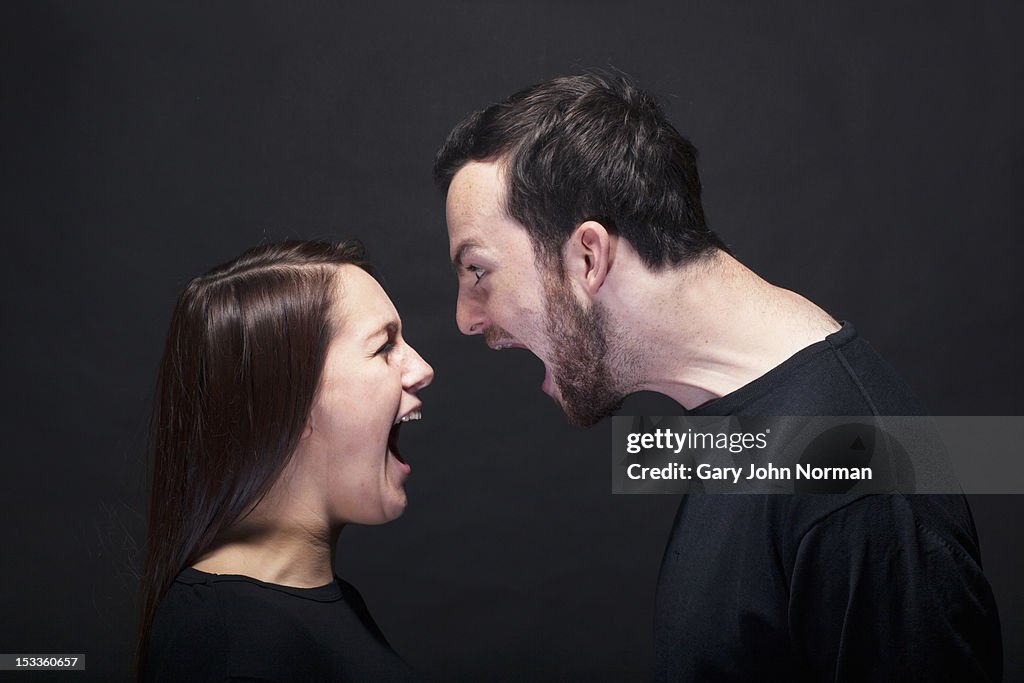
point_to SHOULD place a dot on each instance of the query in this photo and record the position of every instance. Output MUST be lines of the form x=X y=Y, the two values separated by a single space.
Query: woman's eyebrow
x=390 y=328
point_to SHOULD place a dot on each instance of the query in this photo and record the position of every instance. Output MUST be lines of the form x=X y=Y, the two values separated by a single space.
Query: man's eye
x=477 y=271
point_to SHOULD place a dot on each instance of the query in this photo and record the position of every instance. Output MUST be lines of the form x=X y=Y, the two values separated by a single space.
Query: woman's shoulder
x=208 y=626
x=188 y=637
x=243 y=608
x=240 y=626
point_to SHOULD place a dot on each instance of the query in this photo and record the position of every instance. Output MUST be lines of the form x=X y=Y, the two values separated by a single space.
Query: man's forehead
x=472 y=208
x=478 y=224
x=476 y=191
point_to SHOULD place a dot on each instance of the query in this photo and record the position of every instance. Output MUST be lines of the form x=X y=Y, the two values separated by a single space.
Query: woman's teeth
x=414 y=415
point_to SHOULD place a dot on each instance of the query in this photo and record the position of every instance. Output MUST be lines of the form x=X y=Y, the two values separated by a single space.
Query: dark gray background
x=863 y=154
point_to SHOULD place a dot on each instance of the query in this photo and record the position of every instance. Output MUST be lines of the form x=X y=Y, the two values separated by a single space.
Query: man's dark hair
x=589 y=147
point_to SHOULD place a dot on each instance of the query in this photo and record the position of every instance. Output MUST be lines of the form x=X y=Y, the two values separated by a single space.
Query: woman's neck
x=296 y=555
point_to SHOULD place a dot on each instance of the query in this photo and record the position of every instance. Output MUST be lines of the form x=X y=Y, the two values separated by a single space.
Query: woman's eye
x=386 y=349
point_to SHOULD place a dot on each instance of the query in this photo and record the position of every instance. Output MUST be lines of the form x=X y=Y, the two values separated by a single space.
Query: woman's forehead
x=360 y=304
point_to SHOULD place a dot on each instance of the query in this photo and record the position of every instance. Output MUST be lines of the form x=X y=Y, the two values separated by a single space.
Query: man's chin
x=585 y=413
x=586 y=419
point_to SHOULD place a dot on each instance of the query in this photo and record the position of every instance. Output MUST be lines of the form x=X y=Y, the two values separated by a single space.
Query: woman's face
x=368 y=387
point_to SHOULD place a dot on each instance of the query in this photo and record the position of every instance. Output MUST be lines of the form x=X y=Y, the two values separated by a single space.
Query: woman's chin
x=398 y=472
x=395 y=506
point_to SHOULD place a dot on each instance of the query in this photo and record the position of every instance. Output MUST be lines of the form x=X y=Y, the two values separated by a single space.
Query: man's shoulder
x=894 y=522
x=876 y=380
x=840 y=375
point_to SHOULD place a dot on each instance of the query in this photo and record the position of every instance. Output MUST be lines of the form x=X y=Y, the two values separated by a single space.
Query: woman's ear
x=308 y=429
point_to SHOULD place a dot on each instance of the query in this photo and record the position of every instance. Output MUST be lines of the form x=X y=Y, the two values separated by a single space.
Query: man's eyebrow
x=461 y=251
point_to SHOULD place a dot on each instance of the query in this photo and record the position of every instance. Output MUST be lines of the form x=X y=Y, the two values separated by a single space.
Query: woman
x=280 y=394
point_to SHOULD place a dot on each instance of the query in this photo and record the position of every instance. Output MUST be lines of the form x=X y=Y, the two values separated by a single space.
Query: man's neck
x=708 y=328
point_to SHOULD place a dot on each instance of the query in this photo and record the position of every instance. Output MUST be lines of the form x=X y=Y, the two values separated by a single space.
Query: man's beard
x=580 y=357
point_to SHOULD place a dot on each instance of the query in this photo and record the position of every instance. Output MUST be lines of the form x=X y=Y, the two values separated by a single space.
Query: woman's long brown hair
x=240 y=370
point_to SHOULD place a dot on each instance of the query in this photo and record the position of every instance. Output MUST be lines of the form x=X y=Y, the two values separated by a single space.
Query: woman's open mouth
x=393 y=443
x=411 y=416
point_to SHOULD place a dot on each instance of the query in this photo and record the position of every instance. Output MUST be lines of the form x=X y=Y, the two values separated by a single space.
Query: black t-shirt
x=824 y=587
x=212 y=627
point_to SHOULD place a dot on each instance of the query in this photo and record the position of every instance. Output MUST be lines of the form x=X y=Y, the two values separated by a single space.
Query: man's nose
x=469 y=313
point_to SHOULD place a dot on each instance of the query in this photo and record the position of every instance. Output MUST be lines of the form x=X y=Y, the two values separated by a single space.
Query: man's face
x=506 y=297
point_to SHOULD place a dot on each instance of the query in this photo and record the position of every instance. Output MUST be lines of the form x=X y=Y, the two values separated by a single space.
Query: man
x=576 y=228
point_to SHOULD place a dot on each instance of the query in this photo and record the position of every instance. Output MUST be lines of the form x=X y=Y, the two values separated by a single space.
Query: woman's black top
x=212 y=627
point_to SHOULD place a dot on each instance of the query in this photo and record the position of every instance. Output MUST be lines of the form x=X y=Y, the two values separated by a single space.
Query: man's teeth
x=414 y=415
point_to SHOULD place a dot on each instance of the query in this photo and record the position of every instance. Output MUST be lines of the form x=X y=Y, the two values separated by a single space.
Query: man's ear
x=589 y=255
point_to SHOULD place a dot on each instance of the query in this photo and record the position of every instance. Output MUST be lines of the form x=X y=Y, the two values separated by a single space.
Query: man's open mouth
x=506 y=344
x=548 y=384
